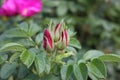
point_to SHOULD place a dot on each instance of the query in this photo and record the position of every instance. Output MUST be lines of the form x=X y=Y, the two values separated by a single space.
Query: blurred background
x=96 y=23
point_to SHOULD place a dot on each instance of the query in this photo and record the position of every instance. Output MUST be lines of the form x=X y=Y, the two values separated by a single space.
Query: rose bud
x=65 y=37
x=63 y=41
x=47 y=41
x=29 y=8
x=8 y=8
x=57 y=32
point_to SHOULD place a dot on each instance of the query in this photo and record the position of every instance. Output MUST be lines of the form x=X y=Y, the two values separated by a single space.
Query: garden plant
x=34 y=47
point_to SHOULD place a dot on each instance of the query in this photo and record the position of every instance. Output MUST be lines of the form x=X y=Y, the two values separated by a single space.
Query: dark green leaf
x=31 y=77
x=22 y=71
x=7 y=70
x=24 y=26
x=1 y=60
x=83 y=70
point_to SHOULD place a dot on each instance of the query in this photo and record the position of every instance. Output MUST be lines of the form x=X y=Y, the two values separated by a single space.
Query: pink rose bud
x=63 y=41
x=65 y=37
x=8 y=8
x=57 y=32
x=29 y=8
x=47 y=41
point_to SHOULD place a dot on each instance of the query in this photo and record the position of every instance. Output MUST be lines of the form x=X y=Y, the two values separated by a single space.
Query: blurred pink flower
x=8 y=8
x=25 y=8
x=29 y=8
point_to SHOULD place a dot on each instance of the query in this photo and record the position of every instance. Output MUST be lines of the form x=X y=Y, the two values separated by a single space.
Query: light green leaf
x=66 y=71
x=26 y=42
x=97 y=68
x=15 y=32
x=12 y=47
x=77 y=72
x=93 y=77
x=110 y=58
x=75 y=43
x=39 y=38
x=14 y=56
x=40 y=62
x=33 y=29
x=47 y=66
x=27 y=58
x=7 y=70
x=69 y=48
x=92 y=54
x=30 y=28
x=63 y=55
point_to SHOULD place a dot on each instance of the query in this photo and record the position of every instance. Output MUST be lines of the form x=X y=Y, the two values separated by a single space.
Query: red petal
x=66 y=36
x=47 y=39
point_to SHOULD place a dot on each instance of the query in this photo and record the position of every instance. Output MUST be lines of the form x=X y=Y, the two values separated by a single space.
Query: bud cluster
x=58 y=40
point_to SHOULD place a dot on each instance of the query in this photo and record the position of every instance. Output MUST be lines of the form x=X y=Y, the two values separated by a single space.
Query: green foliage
x=97 y=68
x=40 y=63
x=93 y=24
x=12 y=47
x=110 y=58
x=7 y=69
x=75 y=43
x=92 y=54
x=27 y=58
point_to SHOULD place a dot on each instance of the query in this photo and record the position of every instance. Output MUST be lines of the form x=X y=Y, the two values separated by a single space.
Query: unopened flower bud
x=63 y=41
x=65 y=37
x=58 y=32
x=47 y=41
